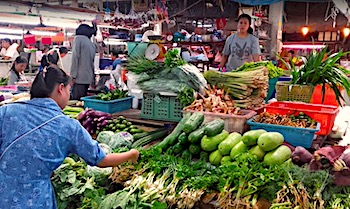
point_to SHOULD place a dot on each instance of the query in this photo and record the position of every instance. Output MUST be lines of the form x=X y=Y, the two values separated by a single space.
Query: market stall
x=220 y=150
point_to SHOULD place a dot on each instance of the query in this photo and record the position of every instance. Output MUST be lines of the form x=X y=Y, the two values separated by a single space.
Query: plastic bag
x=115 y=81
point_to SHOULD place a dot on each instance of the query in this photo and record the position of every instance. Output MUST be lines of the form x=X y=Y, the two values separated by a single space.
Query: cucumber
x=135 y=130
x=171 y=138
x=214 y=127
x=122 y=126
x=186 y=155
x=193 y=122
x=195 y=149
x=178 y=148
x=150 y=138
x=138 y=136
x=183 y=139
x=196 y=136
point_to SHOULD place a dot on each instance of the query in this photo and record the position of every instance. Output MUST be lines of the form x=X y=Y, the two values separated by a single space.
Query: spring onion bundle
x=248 y=89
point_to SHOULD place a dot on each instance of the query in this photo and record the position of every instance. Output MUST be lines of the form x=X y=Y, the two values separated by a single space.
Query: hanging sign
x=220 y=23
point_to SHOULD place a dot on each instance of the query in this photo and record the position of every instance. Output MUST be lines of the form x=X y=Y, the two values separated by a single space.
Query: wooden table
x=134 y=116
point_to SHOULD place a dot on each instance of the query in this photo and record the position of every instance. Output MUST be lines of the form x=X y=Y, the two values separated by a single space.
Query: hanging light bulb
x=305 y=30
x=346 y=31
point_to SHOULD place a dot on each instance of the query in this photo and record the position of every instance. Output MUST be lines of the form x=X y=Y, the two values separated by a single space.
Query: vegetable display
x=72 y=112
x=93 y=120
x=301 y=120
x=112 y=95
x=274 y=71
x=215 y=100
x=248 y=89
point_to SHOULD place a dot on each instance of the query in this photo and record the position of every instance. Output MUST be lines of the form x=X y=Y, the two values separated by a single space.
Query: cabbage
x=96 y=171
x=105 y=148
x=104 y=136
x=121 y=139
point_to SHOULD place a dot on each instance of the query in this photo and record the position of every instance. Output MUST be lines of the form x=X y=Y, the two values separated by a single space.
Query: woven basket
x=293 y=92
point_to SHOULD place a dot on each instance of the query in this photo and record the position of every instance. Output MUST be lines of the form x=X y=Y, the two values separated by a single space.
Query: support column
x=276 y=19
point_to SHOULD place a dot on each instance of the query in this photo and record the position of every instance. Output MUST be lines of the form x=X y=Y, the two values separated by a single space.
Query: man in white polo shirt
x=8 y=51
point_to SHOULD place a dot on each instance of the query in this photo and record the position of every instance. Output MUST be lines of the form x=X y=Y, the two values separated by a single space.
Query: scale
x=155 y=50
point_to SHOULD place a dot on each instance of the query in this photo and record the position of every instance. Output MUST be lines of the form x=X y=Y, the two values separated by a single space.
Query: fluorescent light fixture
x=11 y=31
x=43 y=33
x=10 y=36
x=303 y=46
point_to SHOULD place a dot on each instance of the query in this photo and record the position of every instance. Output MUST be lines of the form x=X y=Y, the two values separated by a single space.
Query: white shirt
x=10 y=52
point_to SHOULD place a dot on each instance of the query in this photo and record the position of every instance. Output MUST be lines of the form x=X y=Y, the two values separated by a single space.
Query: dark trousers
x=79 y=90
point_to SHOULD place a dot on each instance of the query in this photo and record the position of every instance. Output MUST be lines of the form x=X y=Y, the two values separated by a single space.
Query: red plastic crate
x=324 y=114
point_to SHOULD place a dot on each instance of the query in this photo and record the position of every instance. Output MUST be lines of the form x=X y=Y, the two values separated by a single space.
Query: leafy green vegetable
x=173 y=59
x=274 y=71
x=112 y=95
x=140 y=64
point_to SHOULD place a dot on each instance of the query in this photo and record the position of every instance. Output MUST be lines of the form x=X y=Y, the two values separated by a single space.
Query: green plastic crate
x=163 y=106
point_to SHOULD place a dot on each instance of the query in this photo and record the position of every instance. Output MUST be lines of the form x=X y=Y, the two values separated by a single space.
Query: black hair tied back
x=46 y=81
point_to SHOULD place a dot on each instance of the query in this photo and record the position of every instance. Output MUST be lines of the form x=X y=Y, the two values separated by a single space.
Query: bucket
x=329 y=97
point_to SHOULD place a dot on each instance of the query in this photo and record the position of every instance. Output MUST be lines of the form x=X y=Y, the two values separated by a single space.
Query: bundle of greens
x=248 y=89
x=274 y=71
x=173 y=59
x=140 y=64
x=112 y=95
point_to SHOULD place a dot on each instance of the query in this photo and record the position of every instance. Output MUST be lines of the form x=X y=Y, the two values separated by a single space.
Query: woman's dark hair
x=246 y=16
x=46 y=81
x=63 y=50
x=86 y=30
x=18 y=60
x=7 y=40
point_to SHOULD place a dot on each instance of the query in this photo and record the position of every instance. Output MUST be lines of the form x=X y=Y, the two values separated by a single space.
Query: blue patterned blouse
x=26 y=167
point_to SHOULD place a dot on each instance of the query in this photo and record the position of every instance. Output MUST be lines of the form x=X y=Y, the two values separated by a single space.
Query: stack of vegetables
x=168 y=180
x=274 y=71
x=215 y=100
x=119 y=124
x=72 y=112
x=248 y=89
x=175 y=75
x=93 y=120
x=112 y=95
x=301 y=120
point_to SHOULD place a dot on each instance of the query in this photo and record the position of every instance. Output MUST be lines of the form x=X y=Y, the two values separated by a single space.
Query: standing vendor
x=17 y=70
x=241 y=47
x=8 y=50
x=35 y=139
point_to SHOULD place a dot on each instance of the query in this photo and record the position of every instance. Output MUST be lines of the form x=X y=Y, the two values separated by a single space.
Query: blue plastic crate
x=294 y=136
x=112 y=106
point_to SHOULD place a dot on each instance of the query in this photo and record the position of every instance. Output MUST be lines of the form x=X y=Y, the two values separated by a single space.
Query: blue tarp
x=256 y=2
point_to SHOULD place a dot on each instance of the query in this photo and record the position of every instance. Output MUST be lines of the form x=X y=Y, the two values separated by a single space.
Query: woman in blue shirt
x=36 y=137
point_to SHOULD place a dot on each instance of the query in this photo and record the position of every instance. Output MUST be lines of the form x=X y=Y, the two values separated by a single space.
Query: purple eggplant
x=103 y=118
x=87 y=122
x=301 y=156
x=98 y=114
x=104 y=123
x=82 y=115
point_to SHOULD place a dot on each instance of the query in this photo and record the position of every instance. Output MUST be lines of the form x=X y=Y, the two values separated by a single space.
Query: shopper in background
x=241 y=47
x=9 y=51
x=33 y=145
x=17 y=70
x=54 y=57
x=116 y=59
x=83 y=56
